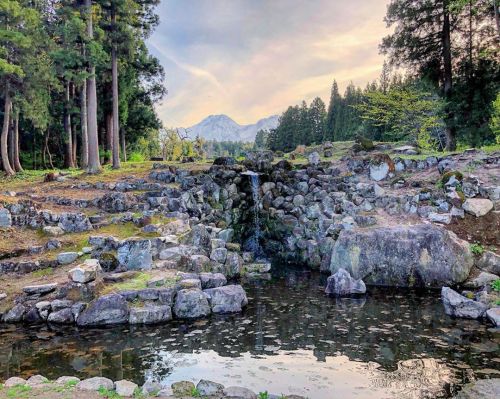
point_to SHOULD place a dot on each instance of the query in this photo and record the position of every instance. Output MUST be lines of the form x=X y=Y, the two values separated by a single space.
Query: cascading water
x=254 y=241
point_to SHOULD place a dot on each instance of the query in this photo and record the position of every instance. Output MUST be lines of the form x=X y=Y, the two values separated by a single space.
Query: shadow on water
x=290 y=339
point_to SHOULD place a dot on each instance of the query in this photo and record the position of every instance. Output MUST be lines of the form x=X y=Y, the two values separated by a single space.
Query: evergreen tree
x=333 y=115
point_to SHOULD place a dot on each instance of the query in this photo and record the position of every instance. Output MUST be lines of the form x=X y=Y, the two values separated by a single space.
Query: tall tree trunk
x=68 y=139
x=11 y=140
x=448 y=78
x=73 y=129
x=124 y=148
x=84 y=149
x=47 y=149
x=94 y=166
x=5 y=132
x=497 y=16
x=109 y=135
x=116 y=115
x=17 y=163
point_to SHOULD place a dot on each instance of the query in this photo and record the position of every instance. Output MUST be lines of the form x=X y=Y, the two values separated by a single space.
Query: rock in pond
x=482 y=389
x=227 y=299
x=191 y=303
x=182 y=389
x=459 y=306
x=95 y=383
x=239 y=393
x=209 y=388
x=212 y=280
x=108 y=309
x=150 y=314
x=424 y=255
x=342 y=284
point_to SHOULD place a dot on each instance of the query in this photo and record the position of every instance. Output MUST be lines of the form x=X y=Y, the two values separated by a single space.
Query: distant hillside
x=223 y=128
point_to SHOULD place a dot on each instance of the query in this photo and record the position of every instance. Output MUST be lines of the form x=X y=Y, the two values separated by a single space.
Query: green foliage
x=261 y=140
x=19 y=392
x=195 y=393
x=136 y=157
x=263 y=395
x=476 y=248
x=496 y=285
x=495 y=119
x=108 y=394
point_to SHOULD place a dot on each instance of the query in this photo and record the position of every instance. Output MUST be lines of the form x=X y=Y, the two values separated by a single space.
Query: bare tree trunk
x=109 y=135
x=46 y=148
x=11 y=140
x=5 y=132
x=84 y=150
x=116 y=116
x=17 y=162
x=448 y=81
x=68 y=139
x=497 y=15
x=124 y=147
x=94 y=166
x=73 y=129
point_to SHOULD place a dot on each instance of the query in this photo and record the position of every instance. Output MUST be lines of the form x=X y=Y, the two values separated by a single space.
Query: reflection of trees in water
x=416 y=379
x=290 y=313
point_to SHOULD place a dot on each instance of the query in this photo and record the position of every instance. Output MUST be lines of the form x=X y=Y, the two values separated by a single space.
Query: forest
x=438 y=87
x=78 y=85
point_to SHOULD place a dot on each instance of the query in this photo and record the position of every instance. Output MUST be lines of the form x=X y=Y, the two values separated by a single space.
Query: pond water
x=290 y=339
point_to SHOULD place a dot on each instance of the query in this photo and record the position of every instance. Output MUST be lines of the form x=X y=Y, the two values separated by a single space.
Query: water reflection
x=290 y=339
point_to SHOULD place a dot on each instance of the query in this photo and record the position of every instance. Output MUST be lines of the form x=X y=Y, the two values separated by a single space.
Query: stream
x=290 y=339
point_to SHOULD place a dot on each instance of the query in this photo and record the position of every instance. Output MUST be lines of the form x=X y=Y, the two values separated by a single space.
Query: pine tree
x=332 y=118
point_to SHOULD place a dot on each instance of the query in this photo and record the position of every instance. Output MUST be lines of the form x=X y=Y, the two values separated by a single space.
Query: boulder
x=227 y=299
x=424 y=255
x=191 y=303
x=65 y=258
x=212 y=280
x=234 y=264
x=150 y=314
x=74 y=222
x=41 y=289
x=239 y=393
x=15 y=314
x=342 y=284
x=136 y=254
x=198 y=263
x=482 y=280
x=226 y=235
x=493 y=315
x=444 y=218
x=477 y=206
x=459 y=306
x=84 y=273
x=14 y=381
x=66 y=380
x=63 y=316
x=219 y=255
x=209 y=388
x=482 y=389
x=5 y=218
x=489 y=262
x=53 y=231
x=108 y=309
x=261 y=267
x=95 y=384
x=37 y=381
x=182 y=389
x=314 y=158
x=125 y=388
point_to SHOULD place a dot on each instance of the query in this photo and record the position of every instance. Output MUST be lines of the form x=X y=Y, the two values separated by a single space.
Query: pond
x=290 y=339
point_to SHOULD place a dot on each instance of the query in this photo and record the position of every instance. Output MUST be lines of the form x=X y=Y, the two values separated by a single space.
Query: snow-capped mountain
x=223 y=128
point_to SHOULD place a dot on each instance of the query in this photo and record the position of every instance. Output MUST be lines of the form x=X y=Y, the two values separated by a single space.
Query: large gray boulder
x=493 y=315
x=227 y=299
x=421 y=255
x=74 y=222
x=108 y=309
x=482 y=389
x=95 y=384
x=342 y=284
x=477 y=206
x=150 y=314
x=136 y=254
x=191 y=303
x=5 y=218
x=459 y=306
x=489 y=262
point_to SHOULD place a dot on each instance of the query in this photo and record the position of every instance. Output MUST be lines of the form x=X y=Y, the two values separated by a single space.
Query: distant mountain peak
x=223 y=128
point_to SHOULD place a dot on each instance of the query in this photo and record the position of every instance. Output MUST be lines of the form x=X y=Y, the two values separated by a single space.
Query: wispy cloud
x=251 y=59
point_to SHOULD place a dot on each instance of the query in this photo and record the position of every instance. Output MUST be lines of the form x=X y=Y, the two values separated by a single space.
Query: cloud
x=251 y=59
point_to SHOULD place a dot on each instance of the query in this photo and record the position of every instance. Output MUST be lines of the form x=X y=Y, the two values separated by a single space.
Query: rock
x=14 y=381
x=74 y=222
x=182 y=388
x=226 y=235
x=493 y=315
x=477 y=206
x=95 y=383
x=150 y=314
x=84 y=273
x=219 y=255
x=191 y=303
x=212 y=280
x=64 y=316
x=125 y=388
x=227 y=299
x=239 y=393
x=65 y=258
x=484 y=279
x=459 y=306
x=482 y=389
x=489 y=262
x=209 y=388
x=53 y=231
x=444 y=218
x=198 y=263
x=224 y=161
x=151 y=388
x=263 y=267
x=3 y=295
x=217 y=243
x=37 y=381
x=422 y=255
x=379 y=172
x=136 y=254
x=189 y=283
x=41 y=289
x=233 y=265
x=314 y=158
x=267 y=187
x=15 y=314
x=342 y=284
x=67 y=380
x=5 y=218
x=108 y=309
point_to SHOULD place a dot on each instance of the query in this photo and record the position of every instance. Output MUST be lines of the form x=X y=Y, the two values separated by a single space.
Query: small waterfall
x=254 y=241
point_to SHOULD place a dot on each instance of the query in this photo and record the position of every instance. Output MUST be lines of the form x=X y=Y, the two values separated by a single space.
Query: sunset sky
x=250 y=59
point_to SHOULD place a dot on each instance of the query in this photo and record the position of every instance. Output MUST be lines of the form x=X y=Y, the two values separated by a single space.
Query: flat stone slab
x=39 y=289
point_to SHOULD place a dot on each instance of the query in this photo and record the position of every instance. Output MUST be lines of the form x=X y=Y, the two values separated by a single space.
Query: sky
x=250 y=59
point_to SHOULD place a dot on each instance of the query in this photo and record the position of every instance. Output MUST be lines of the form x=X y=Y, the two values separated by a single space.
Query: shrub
x=136 y=157
x=496 y=285
x=476 y=248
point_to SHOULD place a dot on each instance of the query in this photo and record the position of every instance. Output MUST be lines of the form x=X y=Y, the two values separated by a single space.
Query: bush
x=136 y=157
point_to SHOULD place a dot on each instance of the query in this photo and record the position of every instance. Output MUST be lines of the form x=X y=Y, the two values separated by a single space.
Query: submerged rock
x=209 y=388
x=482 y=389
x=459 y=306
x=108 y=309
x=342 y=284
x=423 y=255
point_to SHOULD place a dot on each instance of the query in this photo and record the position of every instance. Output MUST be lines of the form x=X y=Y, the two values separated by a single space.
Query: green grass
x=43 y=272
x=19 y=391
x=476 y=248
x=106 y=393
x=195 y=393
x=263 y=395
x=496 y=285
x=138 y=282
